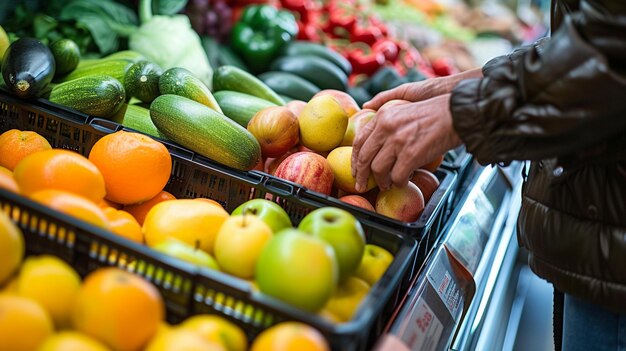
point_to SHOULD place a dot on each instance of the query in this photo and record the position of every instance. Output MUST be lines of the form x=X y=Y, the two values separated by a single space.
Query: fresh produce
x=364 y=59
x=271 y=164
x=142 y=81
x=358 y=201
x=212 y=18
x=218 y=330
x=179 y=81
x=260 y=33
x=11 y=248
x=115 y=68
x=16 y=144
x=346 y=101
x=135 y=167
x=205 y=131
x=375 y=262
x=355 y=124
x=290 y=336
x=340 y=161
x=284 y=270
x=276 y=130
x=4 y=41
x=71 y=341
x=221 y=55
x=24 y=324
x=426 y=182
x=403 y=204
x=308 y=48
x=240 y=107
x=307 y=169
x=316 y=70
x=342 y=231
x=73 y=205
x=323 y=123
x=123 y=224
x=7 y=182
x=187 y=253
x=66 y=56
x=347 y=298
x=432 y=166
x=289 y=84
x=97 y=95
x=270 y=212
x=296 y=106
x=139 y=211
x=28 y=68
x=239 y=243
x=236 y=79
x=180 y=339
x=137 y=118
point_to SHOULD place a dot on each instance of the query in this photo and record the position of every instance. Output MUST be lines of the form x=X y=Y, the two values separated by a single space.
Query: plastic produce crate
x=187 y=289
x=460 y=162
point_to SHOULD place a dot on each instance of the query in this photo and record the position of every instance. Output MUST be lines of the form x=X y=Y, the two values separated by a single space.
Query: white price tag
x=424 y=330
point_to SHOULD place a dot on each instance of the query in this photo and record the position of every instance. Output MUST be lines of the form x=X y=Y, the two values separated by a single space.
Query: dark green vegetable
x=137 y=118
x=66 y=56
x=318 y=71
x=240 y=107
x=99 y=95
x=142 y=81
x=235 y=79
x=290 y=85
x=179 y=81
x=27 y=68
x=295 y=48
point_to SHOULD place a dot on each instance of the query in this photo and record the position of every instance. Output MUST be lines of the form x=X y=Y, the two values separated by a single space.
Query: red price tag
x=423 y=321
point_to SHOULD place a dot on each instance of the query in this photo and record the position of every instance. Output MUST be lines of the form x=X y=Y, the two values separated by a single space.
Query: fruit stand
x=208 y=197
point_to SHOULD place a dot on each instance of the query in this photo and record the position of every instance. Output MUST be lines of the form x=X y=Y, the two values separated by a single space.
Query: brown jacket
x=561 y=103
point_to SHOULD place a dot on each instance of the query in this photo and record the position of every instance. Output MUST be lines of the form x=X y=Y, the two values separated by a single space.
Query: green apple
x=374 y=263
x=347 y=298
x=298 y=269
x=239 y=243
x=187 y=253
x=270 y=212
x=342 y=231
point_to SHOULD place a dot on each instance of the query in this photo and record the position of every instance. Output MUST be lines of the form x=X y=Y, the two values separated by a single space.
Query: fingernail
x=358 y=187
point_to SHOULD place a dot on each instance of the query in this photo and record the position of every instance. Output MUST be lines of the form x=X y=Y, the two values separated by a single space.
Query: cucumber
x=129 y=55
x=66 y=55
x=240 y=107
x=179 y=81
x=142 y=81
x=205 y=131
x=318 y=71
x=100 y=95
x=137 y=118
x=115 y=68
x=228 y=57
x=296 y=48
x=288 y=84
x=236 y=79
x=27 y=68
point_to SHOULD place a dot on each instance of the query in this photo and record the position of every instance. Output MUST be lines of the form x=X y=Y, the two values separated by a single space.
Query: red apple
x=296 y=106
x=346 y=101
x=302 y=148
x=432 y=166
x=259 y=166
x=426 y=181
x=309 y=170
x=276 y=129
x=404 y=204
x=358 y=201
x=271 y=164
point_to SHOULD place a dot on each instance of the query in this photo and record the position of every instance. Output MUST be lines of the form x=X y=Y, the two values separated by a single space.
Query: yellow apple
x=217 y=329
x=375 y=262
x=340 y=160
x=355 y=124
x=323 y=123
x=346 y=299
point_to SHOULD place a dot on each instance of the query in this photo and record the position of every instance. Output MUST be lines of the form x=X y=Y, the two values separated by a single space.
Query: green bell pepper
x=260 y=33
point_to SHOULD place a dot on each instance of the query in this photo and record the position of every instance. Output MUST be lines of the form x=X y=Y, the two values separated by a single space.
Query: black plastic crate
x=460 y=162
x=187 y=289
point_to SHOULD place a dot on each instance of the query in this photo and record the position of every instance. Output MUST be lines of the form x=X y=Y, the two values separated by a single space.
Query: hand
x=423 y=90
x=400 y=139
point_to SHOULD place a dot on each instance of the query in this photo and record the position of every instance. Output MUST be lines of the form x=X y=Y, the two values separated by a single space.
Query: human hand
x=423 y=90
x=400 y=139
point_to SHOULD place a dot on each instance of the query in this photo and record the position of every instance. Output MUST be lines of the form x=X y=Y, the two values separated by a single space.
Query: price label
x=424 y=330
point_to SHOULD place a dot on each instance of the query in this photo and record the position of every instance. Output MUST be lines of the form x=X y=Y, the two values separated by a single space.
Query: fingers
x=362 y=158
x=382 y=165
x=381 y=98
x=358 y=142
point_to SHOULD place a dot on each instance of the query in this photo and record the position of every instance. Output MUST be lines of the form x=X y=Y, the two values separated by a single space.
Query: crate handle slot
x=280 y=187
x=104 y=125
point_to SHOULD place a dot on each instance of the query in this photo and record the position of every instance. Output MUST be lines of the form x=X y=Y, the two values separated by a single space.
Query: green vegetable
x=115 y=68
x=235 y=79
x=179 y=81
x=318 y=71
x=99 y=95
x=66 y=56
x=260 y=33
x=137 y=118
x=240 y=107
x=142 y=81
x=205 y=131
x=288 y=84
x=308 y=48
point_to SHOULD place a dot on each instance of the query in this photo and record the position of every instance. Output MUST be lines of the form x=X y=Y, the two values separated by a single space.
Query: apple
x=296 y=107
x=403 y=204
x=340 y=161
x=342 y=231
x=358 y=201
x=239 y=243
x=180 y=339
x=347 y=298
x=433 y=165
x=276 y=129
x=355 y=124
x=426 y=182
x=323 y=123
x=309 y=170
x=375 y=262
x=218 y=330
x=298 y=269
x=271 y=164
x=187 y=253
x=270 y=212
x=346 y=101
x=394 y=102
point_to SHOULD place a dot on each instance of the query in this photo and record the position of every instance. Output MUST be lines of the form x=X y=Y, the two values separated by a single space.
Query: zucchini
x=318 y=71
x=27 y=68
x=66 y=56
x=240 y=107
x=297 y=48
x=179 y=81
x=137 y=118
x=205 y=131
x=236 y=79
x=289 y=84
x=100 y=96
x=125 y=55
x=142 y=81
x=115 y=68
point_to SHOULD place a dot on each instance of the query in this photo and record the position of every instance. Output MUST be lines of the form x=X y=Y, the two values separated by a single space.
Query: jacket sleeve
x=552 y=99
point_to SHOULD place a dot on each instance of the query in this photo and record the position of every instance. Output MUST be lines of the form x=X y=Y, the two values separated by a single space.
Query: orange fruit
x=179 y=339
x=16 y=144
x=7 y=181
x=193 y=222
x=11 y=248
x=106 y=203
x=139 y=211
x=118 y=308
x=290 y=336
x=135 y=167
x=61 y=170
x=124 y=224
x=73 y=205
x=24 y=324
